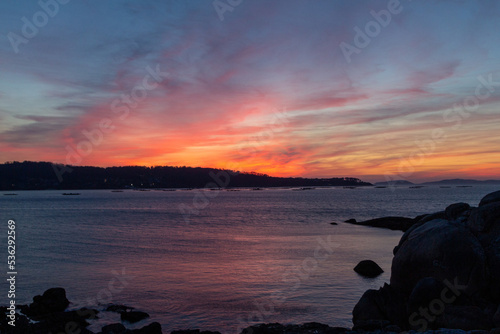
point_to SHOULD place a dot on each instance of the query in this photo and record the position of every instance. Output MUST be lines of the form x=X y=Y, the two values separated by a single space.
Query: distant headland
x=29 y=175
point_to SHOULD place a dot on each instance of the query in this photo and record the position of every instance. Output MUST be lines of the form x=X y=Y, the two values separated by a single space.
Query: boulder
x=455 y=211
x=490 y=198
x=52 y=300
x=368 y=268
x=385 y=306
x=482 y=219
x=443 y=250
x=425 y=292
x=133 y=316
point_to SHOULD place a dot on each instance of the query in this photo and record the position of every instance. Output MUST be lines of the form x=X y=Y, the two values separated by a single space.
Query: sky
x=379 y=90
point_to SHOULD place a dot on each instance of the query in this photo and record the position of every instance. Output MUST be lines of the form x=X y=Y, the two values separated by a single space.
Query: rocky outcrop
x=368 y=268
x=47 y=314
x=392 y=223
x=445 y=273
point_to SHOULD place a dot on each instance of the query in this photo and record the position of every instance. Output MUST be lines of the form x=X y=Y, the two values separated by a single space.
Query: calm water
x=248 y=257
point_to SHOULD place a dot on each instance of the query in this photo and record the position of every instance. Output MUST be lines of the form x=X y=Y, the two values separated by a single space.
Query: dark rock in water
x=351 y=221
x=333 y=223
x=490 y=198
x=392 y=223
x=52 y=300
x=133 y=316
x=113 y=329
x=456 y=210
x=368 y=268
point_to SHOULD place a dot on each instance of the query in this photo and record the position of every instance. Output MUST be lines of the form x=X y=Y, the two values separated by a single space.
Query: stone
x=443 y=250
x=490 y=198
x=368 y=268
x=454 y=211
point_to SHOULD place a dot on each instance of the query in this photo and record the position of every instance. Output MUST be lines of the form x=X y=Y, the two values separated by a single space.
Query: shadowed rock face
x=445 y=273
x=442 y=250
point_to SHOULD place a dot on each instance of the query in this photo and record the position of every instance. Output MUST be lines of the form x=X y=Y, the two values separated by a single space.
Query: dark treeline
x=29 y=175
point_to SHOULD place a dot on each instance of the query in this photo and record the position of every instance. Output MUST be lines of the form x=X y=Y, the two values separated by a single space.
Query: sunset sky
x=375 y=90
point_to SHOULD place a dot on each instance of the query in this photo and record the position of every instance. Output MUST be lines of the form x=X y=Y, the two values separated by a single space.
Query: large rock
x=490 y=198
x=443 y=250
x=368 y=268
x=456 y=211
x=482 y=219
x=52 y=300
x=379 y=308
x=392 y=223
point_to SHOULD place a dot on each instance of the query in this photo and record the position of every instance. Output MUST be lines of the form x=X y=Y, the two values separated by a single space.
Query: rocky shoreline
x=445 y=274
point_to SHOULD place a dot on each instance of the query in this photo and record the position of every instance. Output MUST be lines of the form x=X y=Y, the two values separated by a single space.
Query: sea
x=210 y=259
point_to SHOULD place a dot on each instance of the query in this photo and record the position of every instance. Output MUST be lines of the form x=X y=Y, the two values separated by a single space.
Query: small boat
x=71 y=194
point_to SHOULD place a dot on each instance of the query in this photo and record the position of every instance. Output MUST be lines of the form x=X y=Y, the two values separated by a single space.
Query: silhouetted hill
x=461 y=182
x=44 y=175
